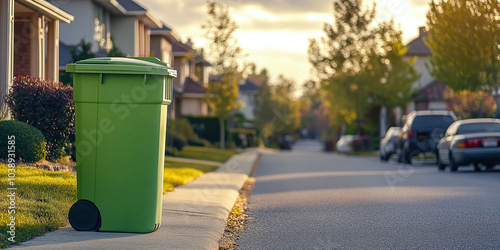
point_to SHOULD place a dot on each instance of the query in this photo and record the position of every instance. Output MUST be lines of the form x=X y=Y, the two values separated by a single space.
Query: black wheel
x=383 y=158
x=453 y=165
x=84 y=216
x=441 y=166
x=476 y=167
x=489 y=166
x=407 y=158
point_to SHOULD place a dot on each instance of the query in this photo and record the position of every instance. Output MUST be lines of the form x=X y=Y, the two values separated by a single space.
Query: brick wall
x=21 y=47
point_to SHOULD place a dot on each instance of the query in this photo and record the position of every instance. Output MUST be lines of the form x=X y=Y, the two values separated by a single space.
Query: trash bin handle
x=101 y=77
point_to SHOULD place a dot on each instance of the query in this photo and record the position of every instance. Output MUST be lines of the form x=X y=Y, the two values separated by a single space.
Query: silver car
x=388 y=143
x=472 y=141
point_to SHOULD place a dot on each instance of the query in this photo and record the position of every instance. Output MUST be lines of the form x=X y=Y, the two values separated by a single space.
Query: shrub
x=181 y=127
x=175 y=140
x=29 y=141
x=199 y=142
x=48 y=107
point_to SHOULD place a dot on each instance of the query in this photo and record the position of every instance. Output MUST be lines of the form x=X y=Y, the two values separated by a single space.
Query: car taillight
x=410 y=133
x=470 y=143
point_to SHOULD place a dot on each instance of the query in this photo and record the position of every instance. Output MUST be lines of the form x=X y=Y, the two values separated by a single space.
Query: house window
x=101 y=29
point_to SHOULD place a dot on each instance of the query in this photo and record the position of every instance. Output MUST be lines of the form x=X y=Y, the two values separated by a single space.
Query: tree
x=464 y=36
x=359 y=63
x=468 y=104
x=224 y=52
x=276 y=110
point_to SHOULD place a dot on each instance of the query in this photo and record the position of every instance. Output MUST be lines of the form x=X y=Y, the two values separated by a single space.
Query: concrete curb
x=194 y=215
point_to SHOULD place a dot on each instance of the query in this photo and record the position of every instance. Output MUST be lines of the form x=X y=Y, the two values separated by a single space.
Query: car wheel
x=453 y=165
x=476 y=167
x=441 y=166
x=407 y=158
x=489 y=166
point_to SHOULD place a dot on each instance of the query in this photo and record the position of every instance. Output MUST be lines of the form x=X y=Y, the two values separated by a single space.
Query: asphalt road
x=308 y=199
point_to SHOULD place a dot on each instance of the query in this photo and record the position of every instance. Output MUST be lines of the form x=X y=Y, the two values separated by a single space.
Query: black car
x=422 y=131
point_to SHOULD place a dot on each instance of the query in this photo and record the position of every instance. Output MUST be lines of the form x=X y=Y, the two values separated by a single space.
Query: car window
x=452 y=129
x=433 y=121
x=480 y=127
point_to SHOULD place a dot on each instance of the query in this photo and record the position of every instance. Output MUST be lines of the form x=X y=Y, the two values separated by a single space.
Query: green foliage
x=175 y=140
x=46 y=106
x=198 y=142
x=277 y=111
x=28 y=142
x=81 y=51
x=42 y=204
x=205 y=127
x=468 y=104
x=464 y=36
x=359 y=63
x=182 y=127
x=224 y=52
x=115 y=51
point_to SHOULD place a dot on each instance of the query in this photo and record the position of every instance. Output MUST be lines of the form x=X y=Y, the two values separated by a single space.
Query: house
x=247 y=90
x=430 y=92
x=105 y=24
x=29 y=40
x=192 y=77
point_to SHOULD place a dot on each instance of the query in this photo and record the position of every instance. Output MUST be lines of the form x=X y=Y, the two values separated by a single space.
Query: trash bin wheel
x=84 y=216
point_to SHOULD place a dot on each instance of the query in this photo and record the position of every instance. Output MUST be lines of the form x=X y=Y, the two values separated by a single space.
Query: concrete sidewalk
x=194 y=216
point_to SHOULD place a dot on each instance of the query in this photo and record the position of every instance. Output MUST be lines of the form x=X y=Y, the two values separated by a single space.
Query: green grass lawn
x=43 y=198
x=206 y=153
x=179 y=173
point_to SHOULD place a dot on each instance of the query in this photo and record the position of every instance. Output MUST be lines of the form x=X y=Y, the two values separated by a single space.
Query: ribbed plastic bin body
x=120 y=129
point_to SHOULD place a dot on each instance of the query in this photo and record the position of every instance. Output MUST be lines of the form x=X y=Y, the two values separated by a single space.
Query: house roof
x=132 y=8
x=250 y=84
x=417 y=46
x=166 y=31
x=180 y=49
x=192 y=86
x=432 y=92
x=47 y=9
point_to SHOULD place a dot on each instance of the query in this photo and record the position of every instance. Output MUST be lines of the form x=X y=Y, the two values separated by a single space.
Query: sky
x=274 y=34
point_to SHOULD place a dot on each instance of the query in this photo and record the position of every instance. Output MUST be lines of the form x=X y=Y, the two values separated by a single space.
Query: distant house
x=430 y=93
x=247 y=90
x=30 y=44
x=192 y=77
x=104 y=23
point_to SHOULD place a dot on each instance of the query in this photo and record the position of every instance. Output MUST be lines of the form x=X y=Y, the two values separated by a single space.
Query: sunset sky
x=274 y=33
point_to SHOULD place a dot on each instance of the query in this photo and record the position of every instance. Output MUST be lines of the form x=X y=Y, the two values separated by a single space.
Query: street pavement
x=193 y=217
x=309 y=199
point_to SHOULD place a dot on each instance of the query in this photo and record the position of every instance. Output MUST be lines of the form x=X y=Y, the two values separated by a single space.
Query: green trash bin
x=120 y=122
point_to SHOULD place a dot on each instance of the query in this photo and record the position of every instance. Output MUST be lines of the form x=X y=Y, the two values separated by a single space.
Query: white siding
x=123 y=31
x=83 y=25
x=437 y=105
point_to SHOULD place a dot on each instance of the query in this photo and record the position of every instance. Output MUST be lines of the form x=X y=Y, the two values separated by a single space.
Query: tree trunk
x=222 y=139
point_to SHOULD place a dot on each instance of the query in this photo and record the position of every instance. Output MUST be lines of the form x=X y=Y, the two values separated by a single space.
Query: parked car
x=422 y=131
x=286 y=142
x=475 y=141
x=345 y=143
x=388 y=144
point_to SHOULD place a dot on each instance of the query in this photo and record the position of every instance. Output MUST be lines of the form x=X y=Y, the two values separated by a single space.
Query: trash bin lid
x=122 y=65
